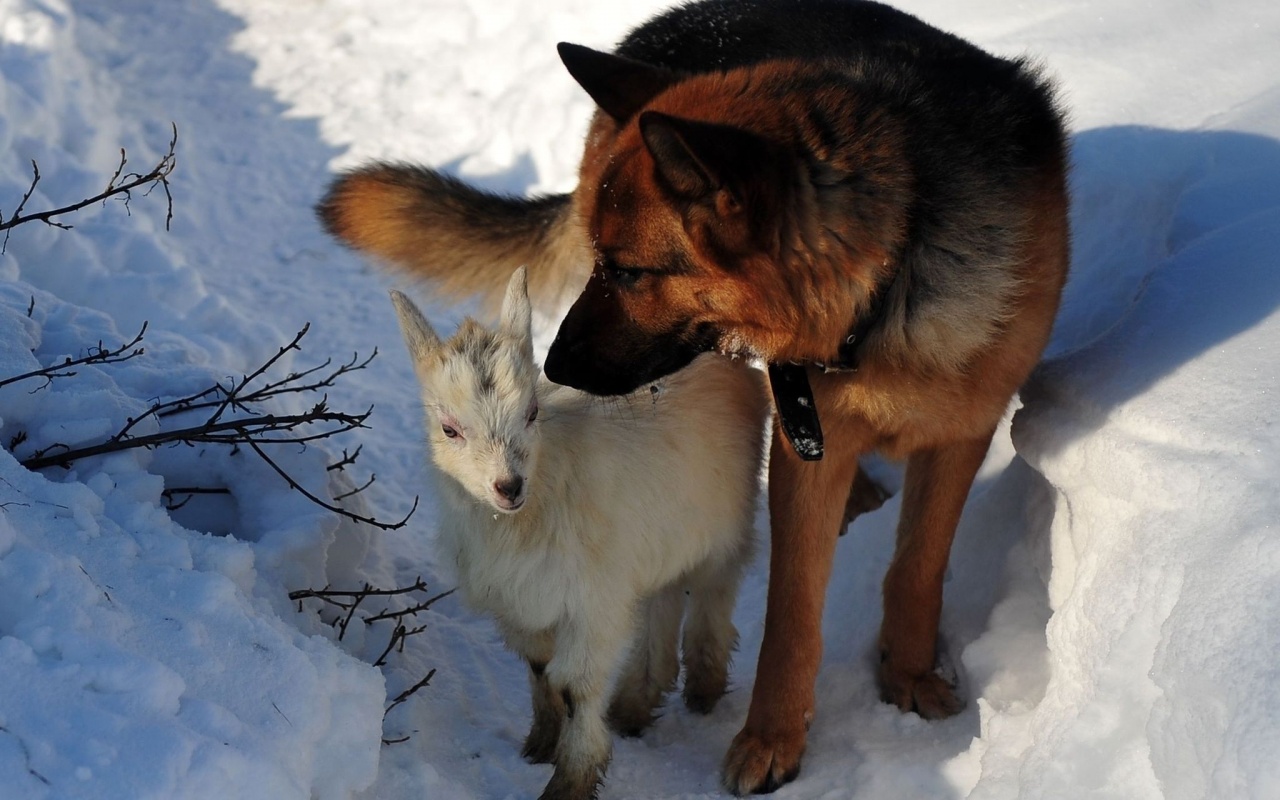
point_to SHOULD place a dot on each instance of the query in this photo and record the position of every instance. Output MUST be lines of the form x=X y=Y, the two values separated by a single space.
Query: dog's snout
x=509 y=489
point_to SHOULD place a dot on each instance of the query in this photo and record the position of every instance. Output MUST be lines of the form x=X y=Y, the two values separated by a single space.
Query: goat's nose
x=509 y=488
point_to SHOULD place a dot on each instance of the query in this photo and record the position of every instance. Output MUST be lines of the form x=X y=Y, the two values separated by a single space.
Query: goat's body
x=629 y=496
x=580 y=524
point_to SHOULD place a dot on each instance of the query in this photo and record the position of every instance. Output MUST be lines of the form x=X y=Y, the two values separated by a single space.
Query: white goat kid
x=581 y=523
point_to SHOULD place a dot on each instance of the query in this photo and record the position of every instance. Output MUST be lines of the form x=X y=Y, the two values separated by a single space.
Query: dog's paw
x=759 y=765
x=931 y=695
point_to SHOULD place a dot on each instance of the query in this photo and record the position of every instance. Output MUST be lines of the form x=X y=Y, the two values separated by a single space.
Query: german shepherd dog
x=873 y=207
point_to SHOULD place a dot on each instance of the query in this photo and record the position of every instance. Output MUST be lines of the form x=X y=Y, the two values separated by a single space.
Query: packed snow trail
x=1116 y=575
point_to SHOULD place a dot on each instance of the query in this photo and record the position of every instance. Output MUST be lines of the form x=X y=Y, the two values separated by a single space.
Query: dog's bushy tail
x=464 y=240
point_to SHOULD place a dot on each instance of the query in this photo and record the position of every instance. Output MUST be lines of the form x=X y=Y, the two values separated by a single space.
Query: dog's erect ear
x=418 y=334
x=515 y=320
x=620 y=86
x=698 y=158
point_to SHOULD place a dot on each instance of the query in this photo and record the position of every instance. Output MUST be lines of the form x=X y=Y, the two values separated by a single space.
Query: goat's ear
x=516 y=317
x=620 y=86
x=420 y=338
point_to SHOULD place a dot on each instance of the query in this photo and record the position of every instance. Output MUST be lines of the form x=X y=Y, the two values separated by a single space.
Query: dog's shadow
x=1175 y=243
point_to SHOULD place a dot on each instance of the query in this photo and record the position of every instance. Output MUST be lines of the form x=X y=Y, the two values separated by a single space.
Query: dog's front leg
x=806 y=509
x=937 y=484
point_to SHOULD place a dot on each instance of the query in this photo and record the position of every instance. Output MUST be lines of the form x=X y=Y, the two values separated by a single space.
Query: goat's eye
x=449 y=431
x=533 y=415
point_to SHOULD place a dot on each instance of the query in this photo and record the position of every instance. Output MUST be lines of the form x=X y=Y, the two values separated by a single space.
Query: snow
x=1115 y=585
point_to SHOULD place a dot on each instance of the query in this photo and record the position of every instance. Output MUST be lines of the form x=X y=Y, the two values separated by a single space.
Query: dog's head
x=479 y=390
x=706 y=220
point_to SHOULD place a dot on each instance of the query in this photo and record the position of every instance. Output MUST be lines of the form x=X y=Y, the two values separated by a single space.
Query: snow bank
x=1156 y=433
x=144 y=658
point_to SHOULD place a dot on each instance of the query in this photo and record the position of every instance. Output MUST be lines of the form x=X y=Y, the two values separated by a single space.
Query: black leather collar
x=793 y=396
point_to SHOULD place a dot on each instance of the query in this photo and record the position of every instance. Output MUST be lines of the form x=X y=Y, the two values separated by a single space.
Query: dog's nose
x=560 y=360
x=510 y=488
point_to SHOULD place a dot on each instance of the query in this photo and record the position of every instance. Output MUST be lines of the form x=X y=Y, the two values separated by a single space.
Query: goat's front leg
x=537 y=648
x=548 y=717
x=588 y=650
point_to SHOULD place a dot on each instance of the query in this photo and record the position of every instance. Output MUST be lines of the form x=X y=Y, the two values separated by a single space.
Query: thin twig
x=329 y=595
x=205 y=433
x=346 y=460
x=411 y=610
x=335 y=509
x=159 y=175
x=349 y=601
x=373 y=476
x=407 y=693
x=97 y=355
x=235 y=391
x=190 y=492
x=399 y=633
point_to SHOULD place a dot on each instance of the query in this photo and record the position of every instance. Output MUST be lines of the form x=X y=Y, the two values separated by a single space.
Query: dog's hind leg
x=709 y=634
x=653 y=664
x=937 y=484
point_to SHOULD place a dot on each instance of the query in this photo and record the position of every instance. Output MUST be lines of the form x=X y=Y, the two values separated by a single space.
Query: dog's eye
x=533 y=414
x=622 y=277
x=451 y=432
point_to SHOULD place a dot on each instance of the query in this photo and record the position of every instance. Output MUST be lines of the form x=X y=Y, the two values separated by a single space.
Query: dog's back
x=726 y=34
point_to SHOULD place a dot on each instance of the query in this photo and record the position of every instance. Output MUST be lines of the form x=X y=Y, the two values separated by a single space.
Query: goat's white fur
x=626 y=504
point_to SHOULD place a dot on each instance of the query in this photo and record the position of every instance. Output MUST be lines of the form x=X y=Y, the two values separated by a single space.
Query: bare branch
x=335 y=509
x=349 y=601
x=346 y=460
x=189 y=492
x=410 y=611
x=331 y=595
x=373 y=476
x=97 y=355
x=248 y=426
x=157 y=176
x=242 y=431
x=234 y=394
x=410 y=692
